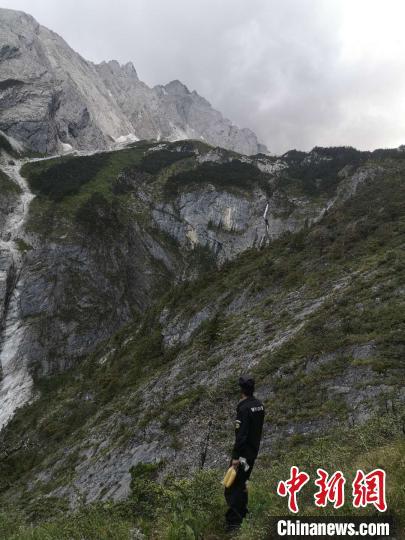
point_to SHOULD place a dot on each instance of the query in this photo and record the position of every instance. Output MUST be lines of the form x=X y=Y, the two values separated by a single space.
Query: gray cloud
x=300 y=73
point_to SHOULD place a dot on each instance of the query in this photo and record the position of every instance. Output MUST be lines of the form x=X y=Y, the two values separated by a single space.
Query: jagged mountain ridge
x=50 y=97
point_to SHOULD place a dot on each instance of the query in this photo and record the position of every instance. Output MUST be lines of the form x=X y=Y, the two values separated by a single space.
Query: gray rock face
x=49 y=93
x=76 y=291
x=172 y=112
x=228 y=224
x=71 y=315
x=50 y=97
x=15 y=382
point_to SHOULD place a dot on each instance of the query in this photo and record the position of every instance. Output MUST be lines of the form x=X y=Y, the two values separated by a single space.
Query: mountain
x=139 y=279
x=51 y=99
x=145 y=282
x=107 y=232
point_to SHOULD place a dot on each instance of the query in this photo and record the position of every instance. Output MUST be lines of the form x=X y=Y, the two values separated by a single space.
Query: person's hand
x=235 y=463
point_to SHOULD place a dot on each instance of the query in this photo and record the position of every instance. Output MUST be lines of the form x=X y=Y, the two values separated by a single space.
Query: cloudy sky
x=300 y=73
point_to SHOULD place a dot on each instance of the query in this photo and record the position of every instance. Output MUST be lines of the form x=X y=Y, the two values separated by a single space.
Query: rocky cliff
x=16 y=382
x=149 y=280
x=107 y=232
x=51 y=99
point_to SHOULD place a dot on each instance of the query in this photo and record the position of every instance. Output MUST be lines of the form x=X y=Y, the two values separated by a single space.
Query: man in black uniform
x=248 y=433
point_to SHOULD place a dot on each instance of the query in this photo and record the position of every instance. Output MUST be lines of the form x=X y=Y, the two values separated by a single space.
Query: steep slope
x=316 y=313
x=16 y=382
x=109 y=231
x=50 y=97
x=49 y=94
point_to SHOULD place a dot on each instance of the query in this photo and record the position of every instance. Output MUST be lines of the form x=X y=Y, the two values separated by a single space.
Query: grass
x=377 y=444
x=90 y=523
x=193 y=508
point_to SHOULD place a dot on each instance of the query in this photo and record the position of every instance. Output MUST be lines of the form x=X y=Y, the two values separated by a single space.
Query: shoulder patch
x=237 y=424
x=257 y=409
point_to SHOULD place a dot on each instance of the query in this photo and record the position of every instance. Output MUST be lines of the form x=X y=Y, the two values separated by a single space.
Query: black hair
x=247 y=390
x=247 y=385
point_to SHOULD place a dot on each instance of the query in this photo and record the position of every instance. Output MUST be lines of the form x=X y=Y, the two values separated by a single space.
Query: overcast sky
x=300 y=73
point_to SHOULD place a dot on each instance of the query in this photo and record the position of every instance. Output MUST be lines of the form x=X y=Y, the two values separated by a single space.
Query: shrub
x=98 y=215
x=66 y=178
x=7 y=185
x=317 y=172
x=231 y=176
x=153 y=162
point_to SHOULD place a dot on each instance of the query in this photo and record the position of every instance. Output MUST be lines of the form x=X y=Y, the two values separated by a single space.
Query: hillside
x=149 y=283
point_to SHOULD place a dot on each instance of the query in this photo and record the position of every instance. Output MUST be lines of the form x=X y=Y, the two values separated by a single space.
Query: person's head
x=247 y=385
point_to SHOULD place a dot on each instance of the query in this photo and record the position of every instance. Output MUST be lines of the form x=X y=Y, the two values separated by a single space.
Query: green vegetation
x=93 y=523
x=7 y=186
x=233 y=176
x=55 y=208
x=318 y=173
x=99 y=215
x=22 y=245
x=193 y=508
x=60 y=180
x=354 y=248
x=89 y=190
x=103 y=381
x=154 y=161
x=320 y=314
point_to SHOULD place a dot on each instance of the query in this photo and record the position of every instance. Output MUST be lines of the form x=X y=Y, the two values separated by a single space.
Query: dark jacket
x=248 y=428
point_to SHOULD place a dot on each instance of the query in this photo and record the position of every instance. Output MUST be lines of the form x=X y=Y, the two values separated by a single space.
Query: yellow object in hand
x=229 y=477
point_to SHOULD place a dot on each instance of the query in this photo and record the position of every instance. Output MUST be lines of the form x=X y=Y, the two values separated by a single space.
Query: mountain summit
x=51 y=97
